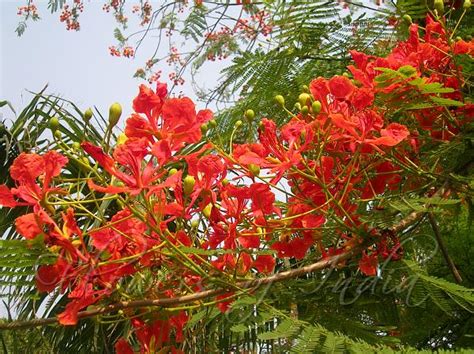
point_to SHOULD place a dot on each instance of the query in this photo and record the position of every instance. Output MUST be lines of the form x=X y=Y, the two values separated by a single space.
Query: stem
x=444 y=250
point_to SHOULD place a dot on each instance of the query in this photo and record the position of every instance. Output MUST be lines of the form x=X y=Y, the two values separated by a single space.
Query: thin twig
x=444 y=250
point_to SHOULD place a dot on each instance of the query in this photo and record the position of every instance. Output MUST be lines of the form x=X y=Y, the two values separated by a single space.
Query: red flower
x=148 y=102
x=392 y=135
x=130 y=155
x=264 y=264
x=223 y=305
x=123 y=237
x=296 y=247
x=181 y=124
x=368 y=264
x=25 y=171
x=340 y=87
x=28 y=226
x=463 y=47
x=49 y=276
x=152 y=336
x=122 y=347
x=83 y=296
x=262 y=201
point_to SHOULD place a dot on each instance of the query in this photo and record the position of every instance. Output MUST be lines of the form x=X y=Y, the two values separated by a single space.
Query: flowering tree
x=299 y=237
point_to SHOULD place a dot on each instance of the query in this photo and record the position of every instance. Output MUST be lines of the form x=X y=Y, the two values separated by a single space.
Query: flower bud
x=204 y=128
x=407 y=19
x=305 y=110
x=115 y=111
x=87 y=115
x=316 y=107
x=298 y=106
x=172 y=171
x=54 y=124
x=225 y=182
x=280 y=100
x=207 y=210
x=57 y=134
x=213 y=123
x=303 y=99
x=238 y=124
x=467 y=5
x=249 y=114
x=188 y=184
x=195 y=224
x=254 y=169
x=76 y=146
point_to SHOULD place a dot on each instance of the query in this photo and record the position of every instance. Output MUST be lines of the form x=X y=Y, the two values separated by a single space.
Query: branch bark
x=169 y=302
x=444 y=250
x=249 y=284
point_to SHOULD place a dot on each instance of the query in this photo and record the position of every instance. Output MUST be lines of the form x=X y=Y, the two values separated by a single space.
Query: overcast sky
x=75 y=65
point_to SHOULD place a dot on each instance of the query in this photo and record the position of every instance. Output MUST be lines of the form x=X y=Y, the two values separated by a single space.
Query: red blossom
x=368 y=264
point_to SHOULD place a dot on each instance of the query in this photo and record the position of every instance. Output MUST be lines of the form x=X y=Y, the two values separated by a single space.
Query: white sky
x=75 y=65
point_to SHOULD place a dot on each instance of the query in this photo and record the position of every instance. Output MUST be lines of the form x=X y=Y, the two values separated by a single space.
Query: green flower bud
x=204 y=128
x=87 y=115
x=188 y=184
x=249 y=114
x=115 y=111
x=57 y=134
x=54 y=124
x=316 y=107
x=207 y=210
x=254 y=169
x=303 y=99
x=76 y=146
x=407 y=19
x=305 y=110
x=195 y=224
x=172 y=171
x=225 y=182
x=467 y=5
x=238 y=124
x=213 y=123
x=298 y=106
x=280 y=100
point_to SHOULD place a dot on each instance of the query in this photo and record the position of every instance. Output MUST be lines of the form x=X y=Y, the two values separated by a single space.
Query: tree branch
x=444 y=250
x=168 y=302
x=249 y=284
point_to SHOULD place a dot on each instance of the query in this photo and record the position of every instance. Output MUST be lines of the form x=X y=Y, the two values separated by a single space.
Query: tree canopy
x=326 y=208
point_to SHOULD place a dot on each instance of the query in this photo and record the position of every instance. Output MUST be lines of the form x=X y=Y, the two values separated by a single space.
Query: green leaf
x=446 y=101
x=286 y=329
x=239 y=328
